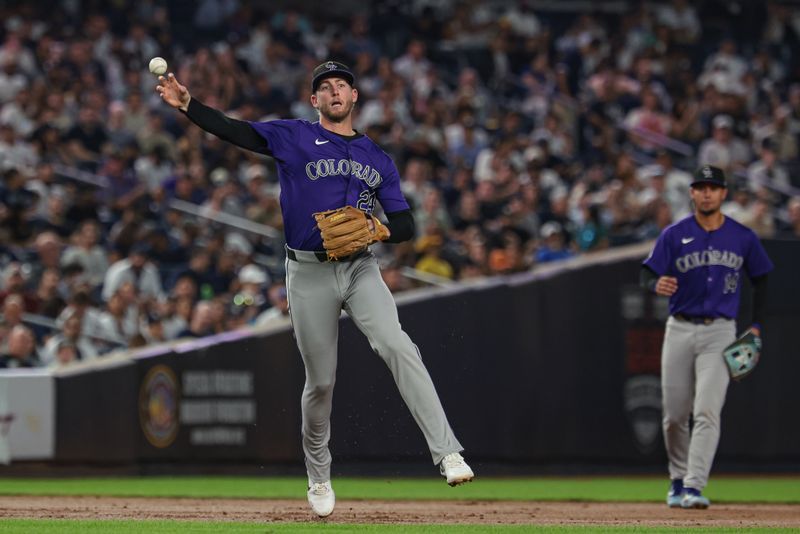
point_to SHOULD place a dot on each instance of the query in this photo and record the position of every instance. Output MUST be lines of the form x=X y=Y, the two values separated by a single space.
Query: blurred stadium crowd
x=525 y=132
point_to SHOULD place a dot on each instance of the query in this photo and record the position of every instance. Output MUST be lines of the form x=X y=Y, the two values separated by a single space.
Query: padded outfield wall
x=559 y=365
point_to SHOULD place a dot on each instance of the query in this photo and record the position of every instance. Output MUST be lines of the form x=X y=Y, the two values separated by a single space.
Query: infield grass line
x=779 y=489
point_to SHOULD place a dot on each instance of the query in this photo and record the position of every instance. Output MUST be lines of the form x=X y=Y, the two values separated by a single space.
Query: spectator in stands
x=20 y=349
x=552 y=247
x=152 y=328
x=137 y=269
x=56 y=217
x=87 y=251
x=44 y=184
x=648 y=124
x=86 y=139
x=66 y=354
x=68 y=345
x=676 y=183
x=123 y=190
x=739 y=204
x=14 y=283
x=431 y=213
x=81 y=303
x=724 y=149
x=766 y=172
x=47 y=255
x=249 y=301
x=16 y=203
x=414 y=64
x=681 y=19
x=279 y=307
x=782 y=130
x=394 y=278
x=792 y=228
x=185 y=287
x=760 y=218
x=13 y=310
x=15 y=152
x=118 y=134
x=175 y=314
x=12 y=79
x=507 y=255
x=201 y=323
x=199 y=271
x=429 y=247
x=46 y=299
x=591 y=233
x=119 y=323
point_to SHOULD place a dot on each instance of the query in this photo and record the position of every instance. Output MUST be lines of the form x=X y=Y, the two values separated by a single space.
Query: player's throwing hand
x=172 y=92
x=667 y=286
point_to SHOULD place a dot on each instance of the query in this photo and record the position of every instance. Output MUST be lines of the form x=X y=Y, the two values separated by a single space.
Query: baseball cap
x=252 y=274
x=550 y=228
x=723 y=121
x=328 y=69
x=255 y=171
x=219 y=176
x=708 y=174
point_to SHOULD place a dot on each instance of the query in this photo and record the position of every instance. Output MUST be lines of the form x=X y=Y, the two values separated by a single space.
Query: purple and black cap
x=329 y=69
x=708 y=174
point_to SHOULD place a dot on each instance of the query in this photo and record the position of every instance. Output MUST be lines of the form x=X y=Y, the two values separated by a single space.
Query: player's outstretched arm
x=173 y=93
x=240 y=133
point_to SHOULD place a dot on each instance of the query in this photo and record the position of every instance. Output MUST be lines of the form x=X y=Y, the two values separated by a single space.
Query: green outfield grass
x=181 y=527
x=763 y=489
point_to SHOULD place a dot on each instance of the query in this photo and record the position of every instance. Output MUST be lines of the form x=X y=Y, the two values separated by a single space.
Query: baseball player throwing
x=697 y=262
x=323 y=166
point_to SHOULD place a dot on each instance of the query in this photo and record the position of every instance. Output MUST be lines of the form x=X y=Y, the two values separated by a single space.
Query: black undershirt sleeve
x=647 y=278
x=240 y=133
x=759 y=299
x=401 y=226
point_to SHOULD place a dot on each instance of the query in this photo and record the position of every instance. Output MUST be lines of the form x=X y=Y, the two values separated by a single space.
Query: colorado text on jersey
x=330 y=167
x=709 y=257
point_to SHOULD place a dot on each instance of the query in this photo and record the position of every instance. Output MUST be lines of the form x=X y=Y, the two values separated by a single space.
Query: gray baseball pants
x=694 y=382
x=317 y=293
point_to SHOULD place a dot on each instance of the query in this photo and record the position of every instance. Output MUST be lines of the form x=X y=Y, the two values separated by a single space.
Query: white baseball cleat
x=321 y=498
x=455 y=469
x=692 y=498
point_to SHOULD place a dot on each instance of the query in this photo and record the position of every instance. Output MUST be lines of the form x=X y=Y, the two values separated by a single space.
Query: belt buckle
x=708 y=320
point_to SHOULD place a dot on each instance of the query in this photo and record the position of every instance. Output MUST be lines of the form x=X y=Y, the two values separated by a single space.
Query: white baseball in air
x=158 y=66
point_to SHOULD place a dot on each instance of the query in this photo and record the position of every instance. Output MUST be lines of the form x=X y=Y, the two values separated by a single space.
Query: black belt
x=322 y=256
x=696 y=319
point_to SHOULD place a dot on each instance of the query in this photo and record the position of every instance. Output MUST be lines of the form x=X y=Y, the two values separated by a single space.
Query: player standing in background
x=697 y=262
x=323 y=166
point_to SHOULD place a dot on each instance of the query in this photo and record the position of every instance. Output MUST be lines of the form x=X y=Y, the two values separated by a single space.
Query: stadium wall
x=559 y=365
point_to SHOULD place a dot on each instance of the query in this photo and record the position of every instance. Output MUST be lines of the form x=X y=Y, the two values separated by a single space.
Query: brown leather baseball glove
x=348 y=230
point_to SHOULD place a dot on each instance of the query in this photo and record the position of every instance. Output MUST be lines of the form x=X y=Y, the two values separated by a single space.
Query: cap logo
x=330 y=65
x=707 y=172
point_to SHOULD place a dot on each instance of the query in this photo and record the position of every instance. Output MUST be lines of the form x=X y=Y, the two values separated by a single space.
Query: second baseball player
x=698 y=262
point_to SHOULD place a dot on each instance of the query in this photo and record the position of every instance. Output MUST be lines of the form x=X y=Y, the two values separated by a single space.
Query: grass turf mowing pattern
x=183 y=527
x=632 y=489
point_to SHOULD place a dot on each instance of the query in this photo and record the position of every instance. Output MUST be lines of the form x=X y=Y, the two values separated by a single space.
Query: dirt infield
x=410 y=512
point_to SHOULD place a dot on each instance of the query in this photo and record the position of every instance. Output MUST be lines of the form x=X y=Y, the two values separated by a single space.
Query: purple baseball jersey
x=707 y=265
x=319 y=170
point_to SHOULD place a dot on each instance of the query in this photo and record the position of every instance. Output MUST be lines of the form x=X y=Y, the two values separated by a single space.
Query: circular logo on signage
x=158 y=406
